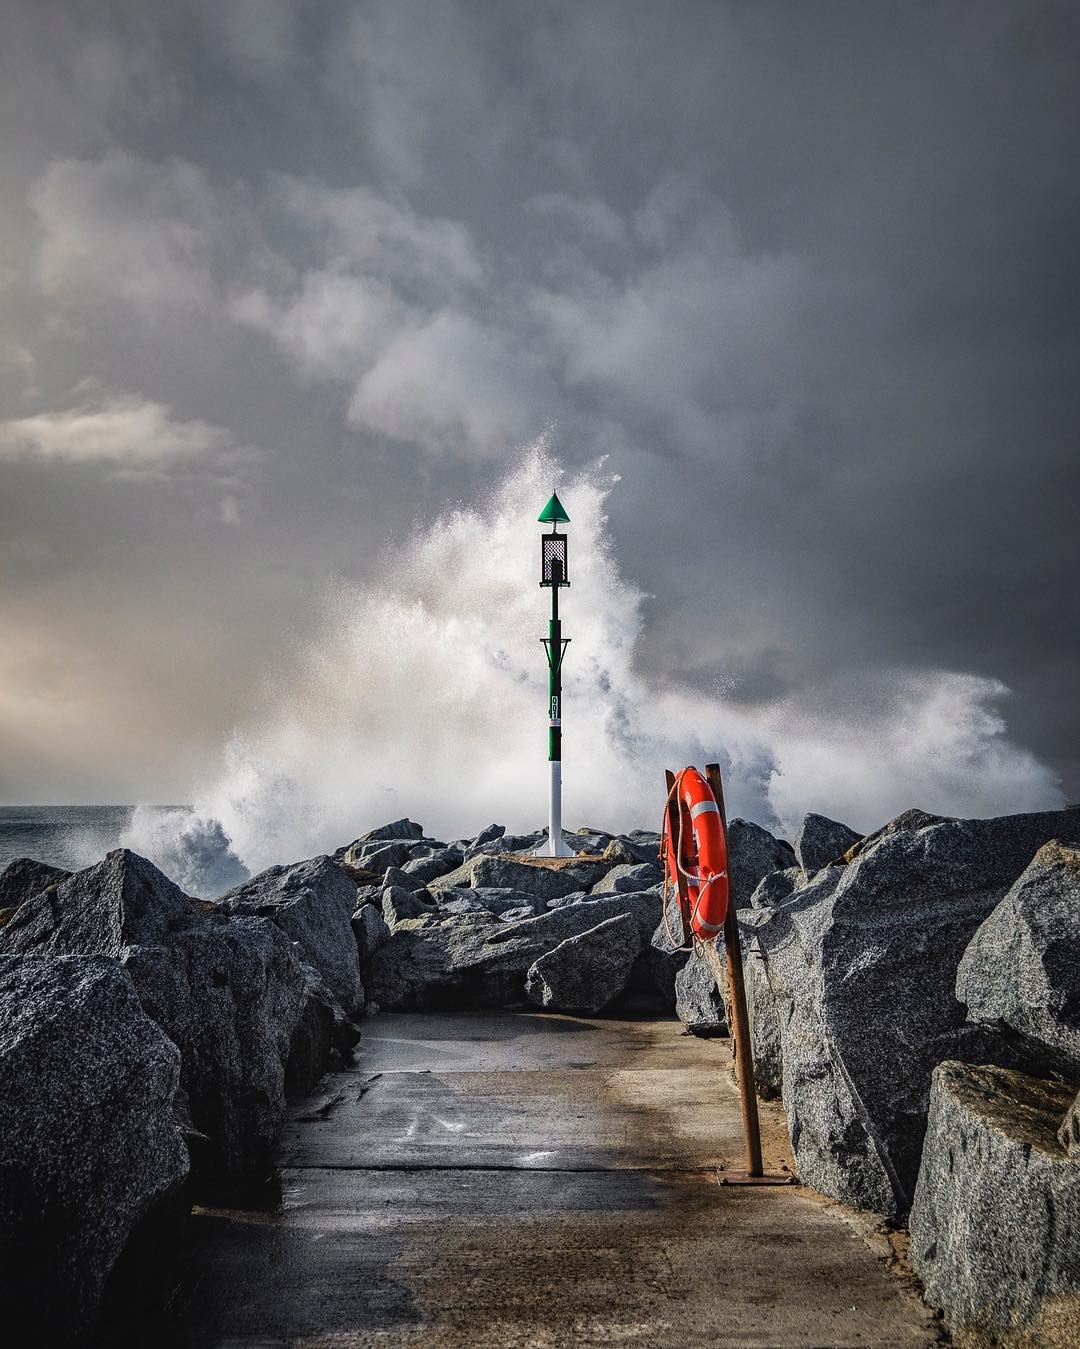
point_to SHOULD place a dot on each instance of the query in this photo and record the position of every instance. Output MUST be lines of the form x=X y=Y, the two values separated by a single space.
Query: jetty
x=514 y=1178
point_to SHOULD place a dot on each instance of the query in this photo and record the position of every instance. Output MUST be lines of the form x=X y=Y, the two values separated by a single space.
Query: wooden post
x=744 y=1055
x=673 y=835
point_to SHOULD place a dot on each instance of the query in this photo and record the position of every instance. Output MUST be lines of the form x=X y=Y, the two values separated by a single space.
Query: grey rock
x=1069 y=1130
x=491 y=834
x=396 y=829
x=24 y=878
x=399 y=905
x=466 y=961
x=586 y=972
x=821 y=841
x=765 y=1042
x=460 y=878
x=440 y=863
x=909 y=821
x=505 y=844
x=699 y=1004
x=665 y=953
x=862 y=965
x=370 y=930
x=368 y=894
x=320 y=1028
x=518 y=915
x=997 y=1209
x=402 y=880
x=464 y=903
x=90 y=1147
x=627 y=877
x=589 y=842
x=752 y=853
x=668 y=934
x=231 y=993
x=776 y=888
x=1021 y=971
x=629 y=851
x=541 y=881
x=377 y=856
x=495 y=899
x=120 y=901
x=312 y=902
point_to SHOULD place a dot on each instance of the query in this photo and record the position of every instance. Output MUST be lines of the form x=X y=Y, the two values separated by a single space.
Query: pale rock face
x=699 y=1003
x=775 y=889
x=862 y=965
x=821 y=841
x=628 y=877
x=997 y=1207
x=1021 y=972
x=588 y=971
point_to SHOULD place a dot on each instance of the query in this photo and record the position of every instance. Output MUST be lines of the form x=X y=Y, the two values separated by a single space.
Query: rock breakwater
x=907 y=989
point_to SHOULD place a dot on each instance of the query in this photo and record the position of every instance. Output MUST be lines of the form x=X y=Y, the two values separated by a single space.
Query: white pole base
x=556 y=847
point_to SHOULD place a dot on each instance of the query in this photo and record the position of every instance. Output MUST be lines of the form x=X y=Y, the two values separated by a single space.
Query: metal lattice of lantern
x=553 y=561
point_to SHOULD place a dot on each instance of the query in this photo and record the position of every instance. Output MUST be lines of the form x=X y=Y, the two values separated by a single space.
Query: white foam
x=425 y=695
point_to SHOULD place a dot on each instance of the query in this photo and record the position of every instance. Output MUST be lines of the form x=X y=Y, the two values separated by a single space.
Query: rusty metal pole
x=744 y=1055
x=673 y=835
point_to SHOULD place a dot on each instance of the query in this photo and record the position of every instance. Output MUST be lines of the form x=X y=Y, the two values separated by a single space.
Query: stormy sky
x=279 y=278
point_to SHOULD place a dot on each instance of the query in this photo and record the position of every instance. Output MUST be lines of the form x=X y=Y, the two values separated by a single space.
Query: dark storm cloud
x=277 y=276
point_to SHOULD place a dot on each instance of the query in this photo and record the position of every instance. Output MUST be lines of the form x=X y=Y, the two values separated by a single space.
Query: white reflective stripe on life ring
x=704 y=808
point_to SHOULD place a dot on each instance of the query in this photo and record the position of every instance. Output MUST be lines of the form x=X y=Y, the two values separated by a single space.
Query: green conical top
x=553 y=512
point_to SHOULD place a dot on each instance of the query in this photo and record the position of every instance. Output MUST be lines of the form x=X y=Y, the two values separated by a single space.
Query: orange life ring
x=700 y=852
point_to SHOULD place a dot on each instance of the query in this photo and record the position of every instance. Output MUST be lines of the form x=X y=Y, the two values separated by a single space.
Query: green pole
x=554 y=513
x=555 y=654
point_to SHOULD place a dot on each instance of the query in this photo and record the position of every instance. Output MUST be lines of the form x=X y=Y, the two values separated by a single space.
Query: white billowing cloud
x=386 y=238
x=390 y=311
x=885 y=741
x=699 y=335
x=454 y=386
x=138 y=231
x=334 y=325
x=121 y=430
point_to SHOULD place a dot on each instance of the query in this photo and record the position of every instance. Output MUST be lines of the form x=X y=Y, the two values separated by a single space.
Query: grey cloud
x=808 y=275
x=126 y=229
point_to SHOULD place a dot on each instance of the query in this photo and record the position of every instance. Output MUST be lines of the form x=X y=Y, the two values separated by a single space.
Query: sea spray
x=190 y=848
x=424 y=694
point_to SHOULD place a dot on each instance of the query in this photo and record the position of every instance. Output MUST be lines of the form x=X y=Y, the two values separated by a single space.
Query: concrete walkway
x=515 y=1179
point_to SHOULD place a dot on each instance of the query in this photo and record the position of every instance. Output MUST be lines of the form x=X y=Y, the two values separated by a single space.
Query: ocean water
x=63 y=836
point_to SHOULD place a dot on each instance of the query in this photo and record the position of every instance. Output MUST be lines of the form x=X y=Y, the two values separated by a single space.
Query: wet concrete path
x=516 y=1179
